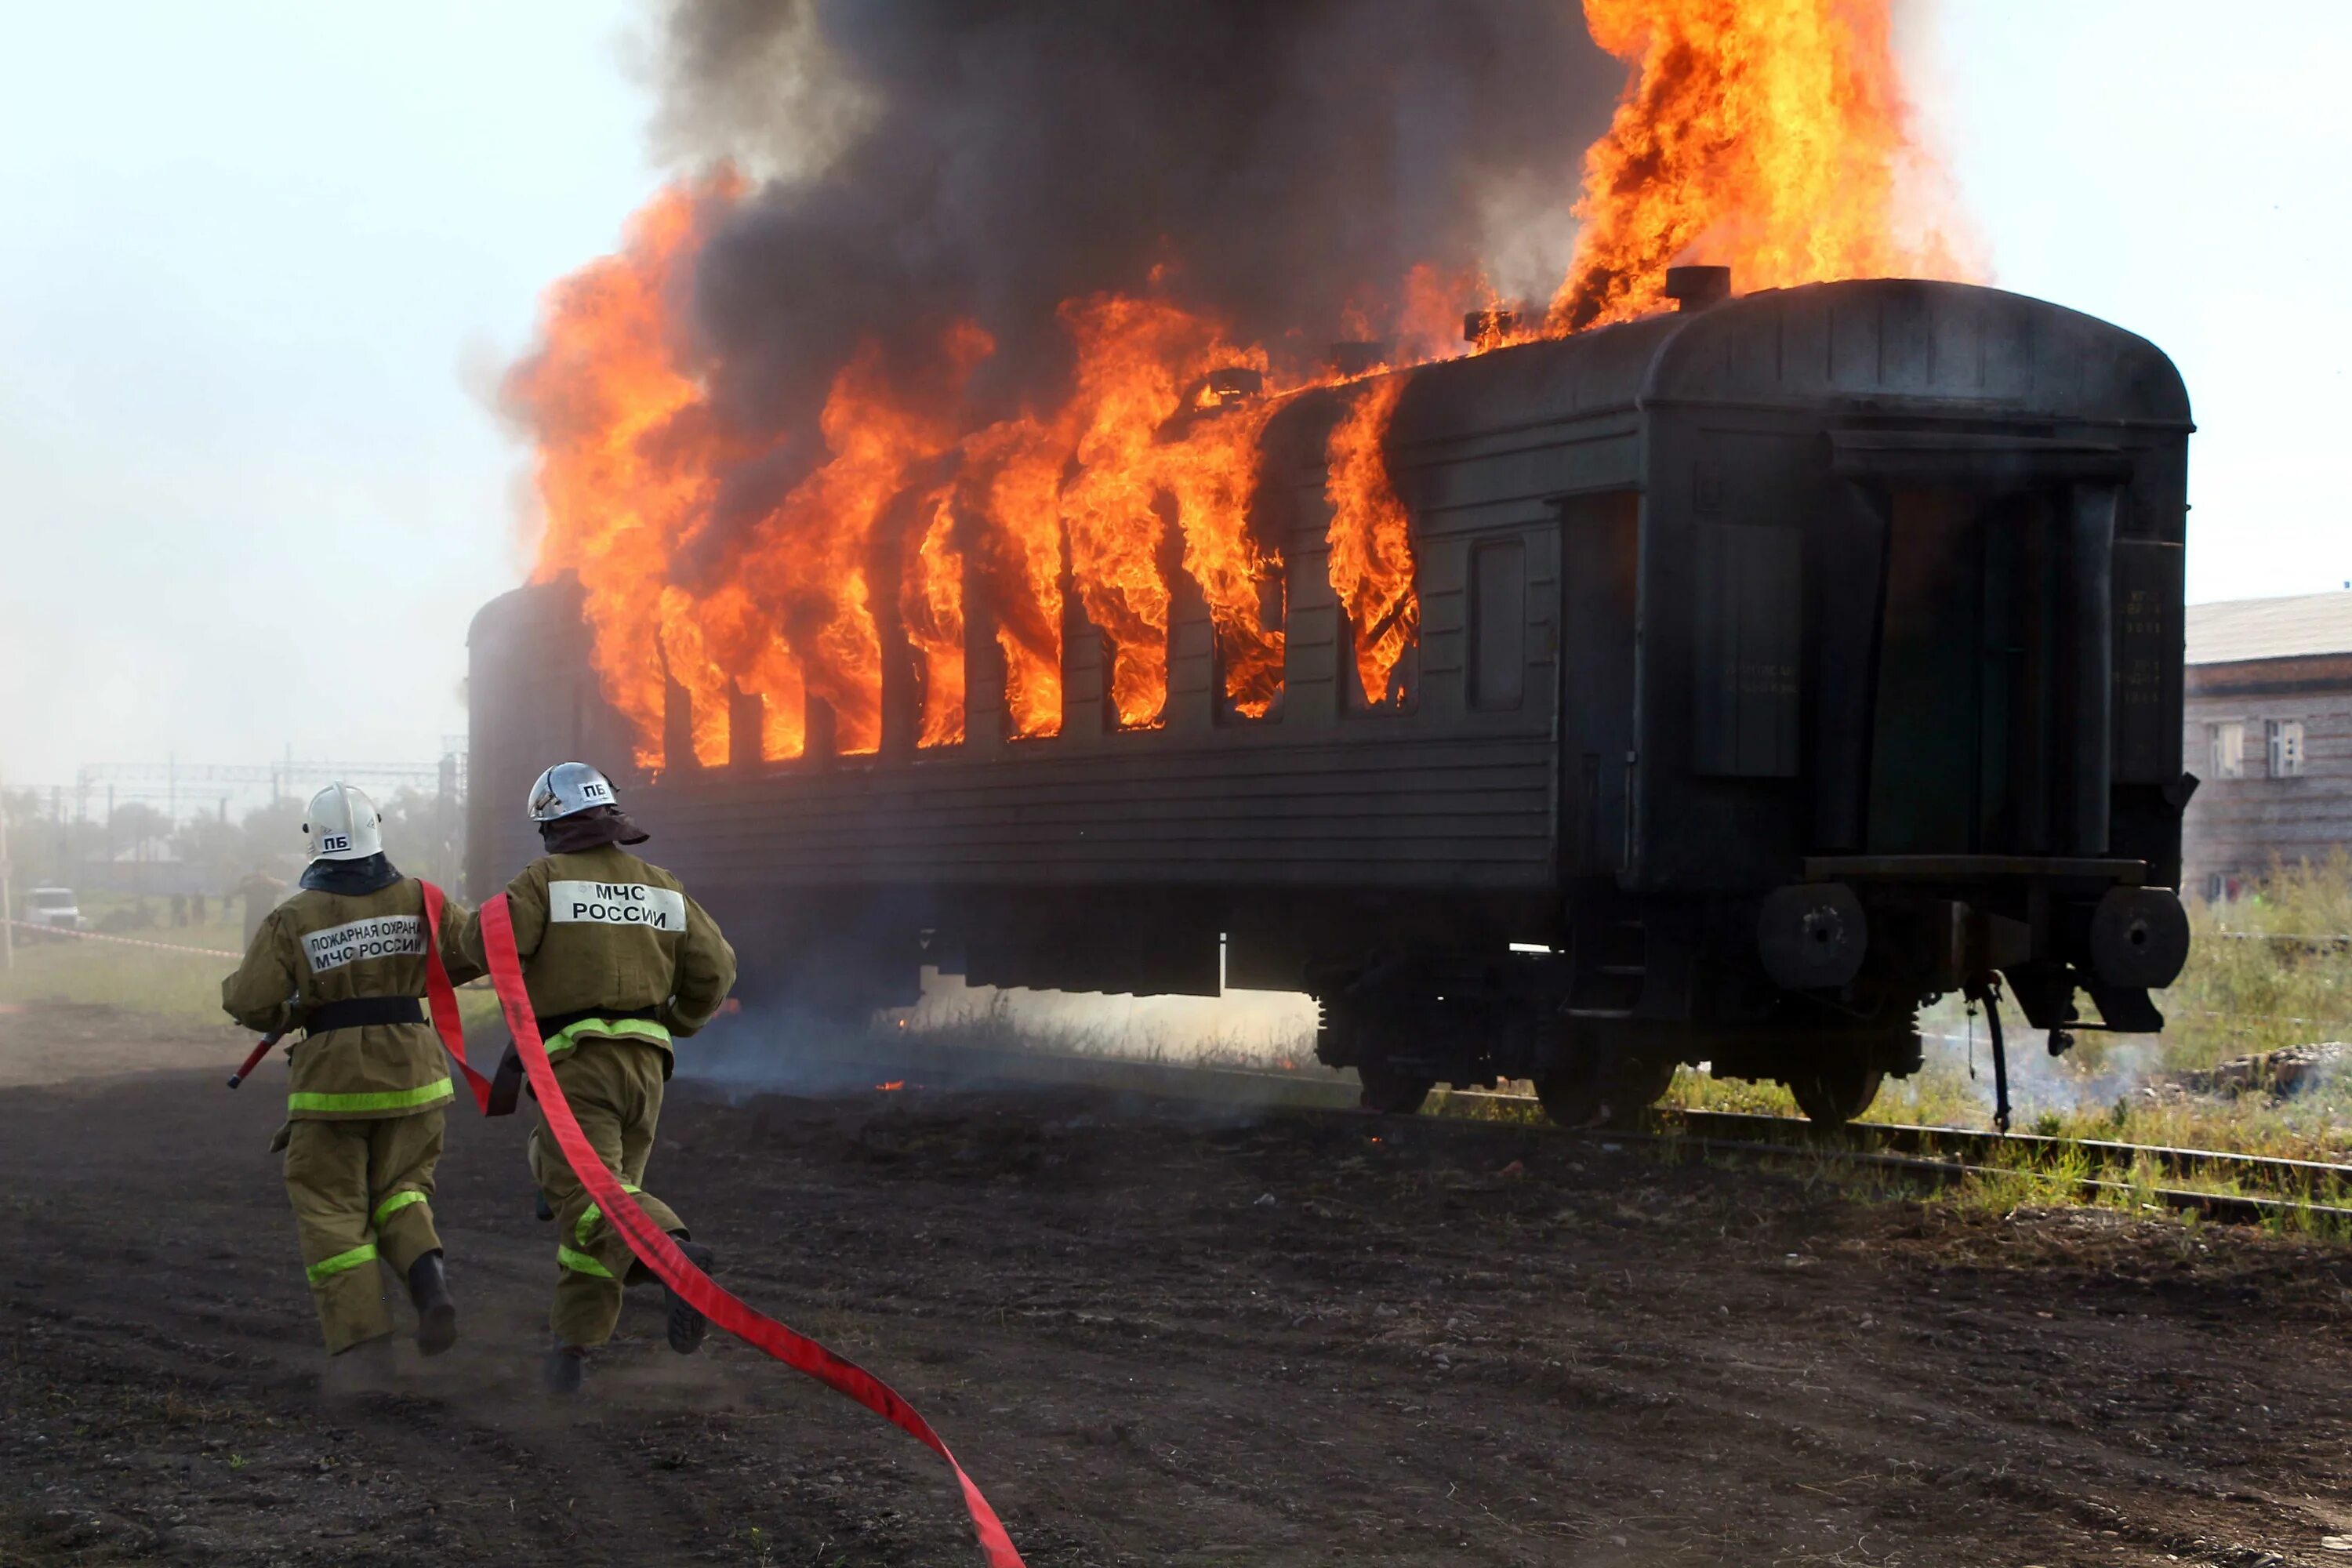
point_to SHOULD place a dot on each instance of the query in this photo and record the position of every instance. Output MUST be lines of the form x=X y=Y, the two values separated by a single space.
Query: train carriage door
x=1924 y=762
x=1993 y=725
x=1600 y=556
x=1974 y=657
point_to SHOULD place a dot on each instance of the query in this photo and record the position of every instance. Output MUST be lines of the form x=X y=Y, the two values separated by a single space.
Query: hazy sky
x=259 y=265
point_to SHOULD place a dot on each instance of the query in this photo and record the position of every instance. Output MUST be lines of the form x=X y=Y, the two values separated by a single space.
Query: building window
x=2228 y=743
x=2286 y=747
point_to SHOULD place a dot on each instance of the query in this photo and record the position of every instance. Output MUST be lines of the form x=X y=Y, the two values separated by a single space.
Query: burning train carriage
x=1781 y=664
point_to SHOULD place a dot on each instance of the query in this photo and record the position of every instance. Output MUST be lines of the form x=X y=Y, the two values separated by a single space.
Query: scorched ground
x=1154 y=1339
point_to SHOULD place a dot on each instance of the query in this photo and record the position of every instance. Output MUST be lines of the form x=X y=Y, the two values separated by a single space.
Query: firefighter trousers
x=362 y=1193
x=614 y=1089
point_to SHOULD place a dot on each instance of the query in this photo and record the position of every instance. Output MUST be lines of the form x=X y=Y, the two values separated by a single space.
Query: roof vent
x=1234 y=385
x=1489 y=327
x=1696 y=287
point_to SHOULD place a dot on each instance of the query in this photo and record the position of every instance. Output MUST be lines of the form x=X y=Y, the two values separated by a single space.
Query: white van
x=54 y=908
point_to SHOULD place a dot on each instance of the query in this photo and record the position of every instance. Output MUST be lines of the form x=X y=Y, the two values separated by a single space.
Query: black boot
x=436 y=1315
x=565 y=1369
x=687 y=1326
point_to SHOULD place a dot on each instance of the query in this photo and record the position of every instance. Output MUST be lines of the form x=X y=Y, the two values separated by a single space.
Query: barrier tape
x=121 y=940
x=179 y=947
x=655 y=1249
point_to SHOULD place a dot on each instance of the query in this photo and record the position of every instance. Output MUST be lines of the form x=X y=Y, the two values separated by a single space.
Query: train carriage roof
x=1958 y=348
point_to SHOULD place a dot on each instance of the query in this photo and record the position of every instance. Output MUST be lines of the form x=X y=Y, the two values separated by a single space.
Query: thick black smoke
x=930 y=160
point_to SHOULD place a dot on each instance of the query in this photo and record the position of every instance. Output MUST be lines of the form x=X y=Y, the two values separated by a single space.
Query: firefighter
x=618 y=961
x=343 y=961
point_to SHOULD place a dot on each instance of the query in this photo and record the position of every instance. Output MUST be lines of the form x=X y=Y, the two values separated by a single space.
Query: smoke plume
x=1279 y=168
x=964 y=323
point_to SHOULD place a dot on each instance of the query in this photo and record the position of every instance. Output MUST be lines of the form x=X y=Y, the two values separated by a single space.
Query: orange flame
x=1770 y=135
x=1210 y=472
x=1371 y=544
x=808 y=561
x=1142 y=469
x=738 y=636
x=931 y=606
x=628 y=458
x=1013 y=472
x=687 y=658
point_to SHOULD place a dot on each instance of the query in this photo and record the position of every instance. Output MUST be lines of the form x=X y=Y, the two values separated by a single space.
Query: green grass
x=2244 y=992
x=2314 y=1125
x=172 y=984
x=2244 y=989
x=183 y=986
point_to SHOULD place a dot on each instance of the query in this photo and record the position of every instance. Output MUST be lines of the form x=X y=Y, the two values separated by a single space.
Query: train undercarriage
x=1815 y=987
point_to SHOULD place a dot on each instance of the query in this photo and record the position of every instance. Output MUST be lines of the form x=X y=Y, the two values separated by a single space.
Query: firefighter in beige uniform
x=617 y=961
x=343 y=961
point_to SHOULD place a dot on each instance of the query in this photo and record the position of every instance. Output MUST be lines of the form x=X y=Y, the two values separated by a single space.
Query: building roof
x=2296 y=627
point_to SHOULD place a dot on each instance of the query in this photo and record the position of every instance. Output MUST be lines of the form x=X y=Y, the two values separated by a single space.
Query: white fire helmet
x=568 y=787
x=342 y=823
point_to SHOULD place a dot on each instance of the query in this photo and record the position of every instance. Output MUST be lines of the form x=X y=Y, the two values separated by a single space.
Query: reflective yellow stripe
x=563 y=1039
x=590 y=1214
x=579 y=1262
x=388 y=1099
x=393 y=1205
x=363 y=1253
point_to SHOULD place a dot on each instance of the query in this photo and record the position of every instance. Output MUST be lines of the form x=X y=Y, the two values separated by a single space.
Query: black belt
x=504 y=1087
x=555 y=1024
x=362 y=1011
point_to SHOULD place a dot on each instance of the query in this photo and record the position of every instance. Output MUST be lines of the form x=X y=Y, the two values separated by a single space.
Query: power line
x=214 y=772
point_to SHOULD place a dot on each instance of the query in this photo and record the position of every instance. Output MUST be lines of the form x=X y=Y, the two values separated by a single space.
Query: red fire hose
x=654 y=1248
x=441 y=998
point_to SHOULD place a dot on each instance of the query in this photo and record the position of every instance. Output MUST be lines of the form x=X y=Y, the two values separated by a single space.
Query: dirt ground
x=1153 y=1338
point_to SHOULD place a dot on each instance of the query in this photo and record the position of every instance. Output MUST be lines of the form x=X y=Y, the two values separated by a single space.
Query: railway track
x=2238 y=1188
x=2092 y=1167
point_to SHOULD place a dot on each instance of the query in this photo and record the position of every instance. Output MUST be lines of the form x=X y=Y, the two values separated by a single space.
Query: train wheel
x=1574 y=1099
x=1390 y=1092
x=1833 y=1095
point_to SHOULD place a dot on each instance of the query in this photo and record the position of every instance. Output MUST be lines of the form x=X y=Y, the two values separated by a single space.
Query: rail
x=2284 y=1189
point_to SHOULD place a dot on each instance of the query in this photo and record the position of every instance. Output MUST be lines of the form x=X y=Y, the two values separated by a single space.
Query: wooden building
x=2268 y=728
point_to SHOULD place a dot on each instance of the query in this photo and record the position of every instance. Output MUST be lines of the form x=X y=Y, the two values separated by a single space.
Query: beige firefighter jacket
x=318 y=947
x=603 y=933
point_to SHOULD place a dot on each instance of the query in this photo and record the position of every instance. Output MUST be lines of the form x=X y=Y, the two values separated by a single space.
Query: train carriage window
x=1249 y=690
x=1403 y=692
x=1498 y=626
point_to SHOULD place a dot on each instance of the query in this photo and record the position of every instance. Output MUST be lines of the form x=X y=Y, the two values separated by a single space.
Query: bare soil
x=1153 y=1338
